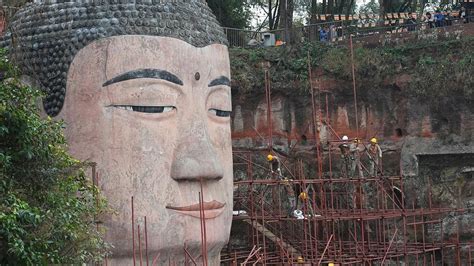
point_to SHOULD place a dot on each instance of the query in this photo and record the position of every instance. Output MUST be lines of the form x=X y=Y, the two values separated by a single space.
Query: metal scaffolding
x=354 y=221
x=343 y=220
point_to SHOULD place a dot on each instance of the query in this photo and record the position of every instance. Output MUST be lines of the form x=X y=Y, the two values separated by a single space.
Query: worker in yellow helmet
x=300 y=259
x=303 y=196
x=275 y=165
x=290 y=202
x=306 y=205
x=374 y=152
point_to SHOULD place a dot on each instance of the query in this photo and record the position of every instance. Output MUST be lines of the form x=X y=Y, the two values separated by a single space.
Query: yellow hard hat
x=270 y=157
x=373 y=140
x=300 y=259
x=303 y=195
x=330 y=264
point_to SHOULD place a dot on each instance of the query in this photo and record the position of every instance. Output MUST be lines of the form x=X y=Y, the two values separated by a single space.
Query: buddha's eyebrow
x=222 y=80
x=145 y=73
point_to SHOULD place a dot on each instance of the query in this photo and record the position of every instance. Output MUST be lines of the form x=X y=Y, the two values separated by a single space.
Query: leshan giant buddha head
x=143 y=88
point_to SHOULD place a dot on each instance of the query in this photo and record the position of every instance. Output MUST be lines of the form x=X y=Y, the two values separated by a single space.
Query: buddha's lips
x=212 y=205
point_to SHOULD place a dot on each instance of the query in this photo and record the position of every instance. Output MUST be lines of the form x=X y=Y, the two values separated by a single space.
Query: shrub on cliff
x=47 y=205
x=437 y=69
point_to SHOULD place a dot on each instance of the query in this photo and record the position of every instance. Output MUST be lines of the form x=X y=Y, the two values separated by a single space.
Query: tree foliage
x=231 y=13
x=47 y=204
x=438 y=71
x=371 y=7
x=271 y=9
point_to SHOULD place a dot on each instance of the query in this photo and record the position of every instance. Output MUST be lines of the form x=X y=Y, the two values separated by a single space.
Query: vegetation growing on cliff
x=435 y=70
x=47 y=205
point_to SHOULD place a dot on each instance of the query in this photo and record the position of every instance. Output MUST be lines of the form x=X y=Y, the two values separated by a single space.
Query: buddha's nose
x=195 y=157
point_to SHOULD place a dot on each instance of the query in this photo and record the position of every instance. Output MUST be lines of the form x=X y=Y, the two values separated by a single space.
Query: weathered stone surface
x=124 y=74
x=409 y=129
x=44 y=37
x=391 y=120
x=157 y=157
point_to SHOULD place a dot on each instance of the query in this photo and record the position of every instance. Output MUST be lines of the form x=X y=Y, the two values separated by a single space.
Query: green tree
x=271 y=9
x=371 y=7
x=47 y=205
x=231 y=13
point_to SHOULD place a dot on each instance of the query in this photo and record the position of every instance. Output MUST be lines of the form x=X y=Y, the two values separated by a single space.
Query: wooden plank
x=278 y=241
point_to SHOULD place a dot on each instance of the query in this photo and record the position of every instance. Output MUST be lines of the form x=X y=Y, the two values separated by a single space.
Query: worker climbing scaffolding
x=275 y=166
x=293 y=204
x=287 y=191
x=303 y=199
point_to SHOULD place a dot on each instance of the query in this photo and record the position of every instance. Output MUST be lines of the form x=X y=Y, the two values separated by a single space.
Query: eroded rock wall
x=410 y=129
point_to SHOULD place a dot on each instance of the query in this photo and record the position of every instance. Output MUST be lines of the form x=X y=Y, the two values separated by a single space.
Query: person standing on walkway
x=439 y=19
x=430 y=20
x=411 y=22
x=345 y=157
x=375 y=157
x=356 y=149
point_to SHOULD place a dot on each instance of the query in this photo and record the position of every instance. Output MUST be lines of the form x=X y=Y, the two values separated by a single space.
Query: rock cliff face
x=410 y=126
x=416 y=98
x=416 y=130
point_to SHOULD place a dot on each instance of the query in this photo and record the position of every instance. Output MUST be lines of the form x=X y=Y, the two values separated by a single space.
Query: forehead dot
x=197 y=76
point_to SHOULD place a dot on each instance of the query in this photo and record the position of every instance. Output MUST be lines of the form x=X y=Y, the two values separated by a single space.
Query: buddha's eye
x=220 y=113
x=146 y=109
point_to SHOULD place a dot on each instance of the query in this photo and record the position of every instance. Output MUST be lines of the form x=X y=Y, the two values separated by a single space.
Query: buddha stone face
x=153 y=113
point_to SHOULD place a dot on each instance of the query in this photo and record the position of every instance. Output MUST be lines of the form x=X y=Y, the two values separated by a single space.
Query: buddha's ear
x=32 y=82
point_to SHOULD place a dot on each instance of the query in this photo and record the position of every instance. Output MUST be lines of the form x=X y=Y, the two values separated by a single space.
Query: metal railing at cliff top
x=335 y=31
